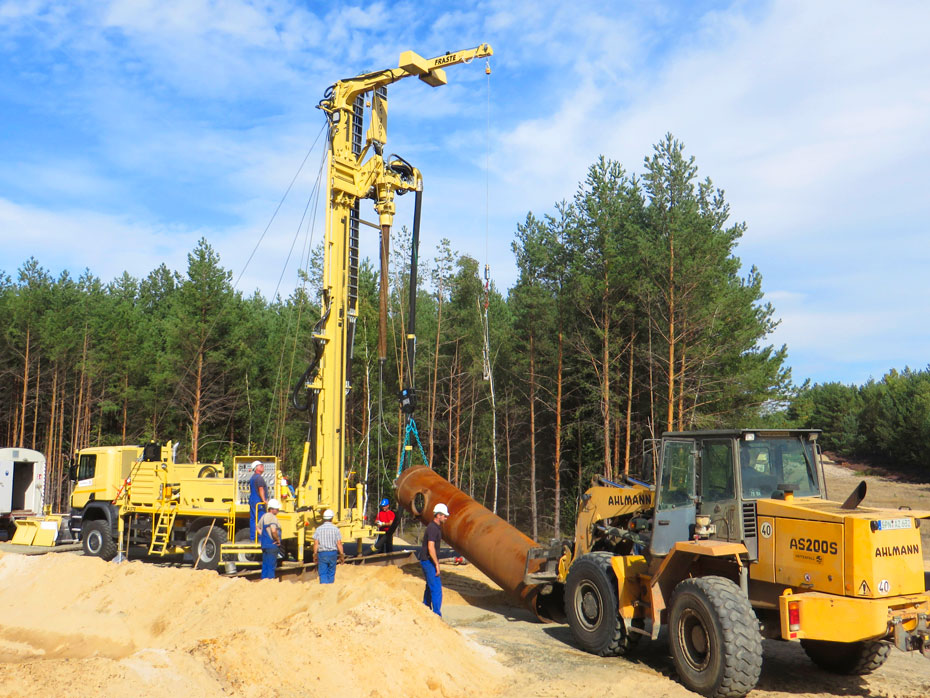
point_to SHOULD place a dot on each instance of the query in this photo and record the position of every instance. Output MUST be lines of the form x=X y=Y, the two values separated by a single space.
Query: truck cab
x=101 y=474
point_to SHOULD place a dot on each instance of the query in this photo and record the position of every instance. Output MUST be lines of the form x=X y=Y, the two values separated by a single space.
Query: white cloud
x=815 y=117
x=76 y=239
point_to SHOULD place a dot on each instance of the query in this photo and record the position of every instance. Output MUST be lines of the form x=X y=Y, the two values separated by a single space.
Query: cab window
x=87 y=464
x=767 y=462
x=677 y=487
x=717 y=471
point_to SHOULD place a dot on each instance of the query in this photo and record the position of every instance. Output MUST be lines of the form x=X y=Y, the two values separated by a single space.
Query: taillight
x=794 y=616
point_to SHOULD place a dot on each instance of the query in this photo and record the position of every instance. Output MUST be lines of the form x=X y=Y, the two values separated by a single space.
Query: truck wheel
x=206 y=548
x=592 y=608
x=714 y=637
x=97 y=540
x=854 y=658
x=242 y=536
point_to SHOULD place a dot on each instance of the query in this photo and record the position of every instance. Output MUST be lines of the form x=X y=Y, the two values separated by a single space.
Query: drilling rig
x=142 y=496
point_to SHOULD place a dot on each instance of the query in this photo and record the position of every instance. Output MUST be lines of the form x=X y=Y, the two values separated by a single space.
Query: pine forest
x=631 y=315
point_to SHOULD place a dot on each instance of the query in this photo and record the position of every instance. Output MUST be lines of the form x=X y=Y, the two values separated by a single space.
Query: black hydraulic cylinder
x=412 y=318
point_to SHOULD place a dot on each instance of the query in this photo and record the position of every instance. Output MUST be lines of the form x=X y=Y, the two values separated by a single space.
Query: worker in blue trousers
x=258 y=495
x=327 y=548
x=429 y=559
x=270 y=538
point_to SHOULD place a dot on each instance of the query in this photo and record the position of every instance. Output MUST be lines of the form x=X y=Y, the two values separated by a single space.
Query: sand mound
x=76 y=626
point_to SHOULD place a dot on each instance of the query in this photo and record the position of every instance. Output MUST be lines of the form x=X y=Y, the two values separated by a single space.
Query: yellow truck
x=139 y=495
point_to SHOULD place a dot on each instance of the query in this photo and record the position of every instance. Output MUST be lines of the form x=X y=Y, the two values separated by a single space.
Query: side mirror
x=72 y=473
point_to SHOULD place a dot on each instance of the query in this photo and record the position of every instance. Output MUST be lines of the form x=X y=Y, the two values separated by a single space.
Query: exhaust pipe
x=490 y=543
x=854 y=499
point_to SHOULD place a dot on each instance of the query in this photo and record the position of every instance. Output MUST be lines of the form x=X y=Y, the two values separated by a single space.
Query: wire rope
x=160 y=416
x=313 y=199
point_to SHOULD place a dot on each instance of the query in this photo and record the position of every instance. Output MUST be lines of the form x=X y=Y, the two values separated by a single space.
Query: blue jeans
x=432 y=595
x=269 y=562
x=327 y=566
x=256 y=511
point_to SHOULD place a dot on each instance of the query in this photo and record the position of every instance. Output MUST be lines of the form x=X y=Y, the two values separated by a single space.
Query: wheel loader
x=739 y=543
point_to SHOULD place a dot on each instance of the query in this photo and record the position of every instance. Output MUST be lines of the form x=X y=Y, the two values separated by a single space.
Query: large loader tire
x=205 y=546
x=854 y=658
x=714 y=637
x=592 y=609
x=97 y=540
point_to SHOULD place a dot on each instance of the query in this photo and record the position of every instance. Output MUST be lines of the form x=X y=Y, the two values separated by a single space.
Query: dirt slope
x=76 y=626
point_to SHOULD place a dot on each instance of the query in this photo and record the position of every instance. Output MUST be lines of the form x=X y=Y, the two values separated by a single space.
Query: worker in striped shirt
x=327 y=548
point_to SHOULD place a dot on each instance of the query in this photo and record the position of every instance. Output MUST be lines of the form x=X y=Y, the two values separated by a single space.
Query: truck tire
x=205 y=546
x=852 y=658
x=592 y=608
x=97 y=540
x=242 y=536
x=714 y=638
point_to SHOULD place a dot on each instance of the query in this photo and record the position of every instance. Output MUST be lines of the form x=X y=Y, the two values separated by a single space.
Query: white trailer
x=22 y=484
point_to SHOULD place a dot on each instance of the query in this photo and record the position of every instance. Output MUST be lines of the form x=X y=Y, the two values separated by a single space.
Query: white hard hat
x=440 y=509
x=256 y=463
x=274 y=504
x=328 y=515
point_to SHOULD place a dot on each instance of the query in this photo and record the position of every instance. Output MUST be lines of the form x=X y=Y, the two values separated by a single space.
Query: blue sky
x=130 y=129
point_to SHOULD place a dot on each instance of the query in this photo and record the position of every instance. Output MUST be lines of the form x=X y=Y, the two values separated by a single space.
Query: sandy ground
x=76 y=626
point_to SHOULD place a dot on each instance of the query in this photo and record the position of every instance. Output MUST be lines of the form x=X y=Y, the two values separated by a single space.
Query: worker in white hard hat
x=327 y=548
x=258 y=496
x=270 y=538
x=429 y=559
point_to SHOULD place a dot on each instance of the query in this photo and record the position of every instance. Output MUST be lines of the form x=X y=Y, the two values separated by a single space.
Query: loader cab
x=719 y=475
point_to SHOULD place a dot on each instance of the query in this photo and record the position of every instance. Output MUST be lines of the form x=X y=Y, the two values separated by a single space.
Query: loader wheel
x=592 y=608
x=853 y=658
x=714 y=637
x=97 y=541
x=206 y=548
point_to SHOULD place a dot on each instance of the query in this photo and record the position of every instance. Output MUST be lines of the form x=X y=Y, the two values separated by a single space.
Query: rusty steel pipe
x=490 y=543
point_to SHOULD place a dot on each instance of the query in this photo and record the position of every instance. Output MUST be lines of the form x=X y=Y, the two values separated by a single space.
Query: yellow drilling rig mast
x=140 y=495
x=357 y=168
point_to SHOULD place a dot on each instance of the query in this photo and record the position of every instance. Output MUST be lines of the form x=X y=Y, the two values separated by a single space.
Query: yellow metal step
x=161 y=534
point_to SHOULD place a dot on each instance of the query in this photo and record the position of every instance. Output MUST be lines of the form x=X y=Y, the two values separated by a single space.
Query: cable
x=314 y=198
x=278 y=208
x=158 y=419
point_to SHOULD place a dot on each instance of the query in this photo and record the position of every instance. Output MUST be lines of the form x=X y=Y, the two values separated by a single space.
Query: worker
x=429 y=559
x=327 y=548
x=384 y=523
x=270 y=538
x=258 y=495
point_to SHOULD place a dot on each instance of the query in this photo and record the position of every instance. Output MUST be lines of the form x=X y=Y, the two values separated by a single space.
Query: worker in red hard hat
x=429 y=559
